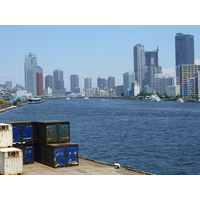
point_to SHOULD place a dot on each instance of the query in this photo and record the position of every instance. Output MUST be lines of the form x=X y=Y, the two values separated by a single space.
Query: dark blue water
x=160 y=138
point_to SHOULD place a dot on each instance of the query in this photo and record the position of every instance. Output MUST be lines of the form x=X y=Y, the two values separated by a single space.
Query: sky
x=90 y=38
x=87 y=50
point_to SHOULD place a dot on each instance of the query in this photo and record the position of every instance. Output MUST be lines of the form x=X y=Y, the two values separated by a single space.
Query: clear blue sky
x=87 y=50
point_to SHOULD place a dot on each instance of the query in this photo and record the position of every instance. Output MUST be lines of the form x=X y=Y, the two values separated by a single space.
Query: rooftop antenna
x=157 y=47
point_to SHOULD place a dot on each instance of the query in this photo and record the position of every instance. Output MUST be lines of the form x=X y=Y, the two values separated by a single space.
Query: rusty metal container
x=52 y=131
x=6 y=135
x=62 y=154
x=11 y=161
x=56 y=154
x=22 y=132
x=28 y=152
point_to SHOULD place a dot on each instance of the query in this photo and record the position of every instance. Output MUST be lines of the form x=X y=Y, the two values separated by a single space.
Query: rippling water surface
x=160 y=138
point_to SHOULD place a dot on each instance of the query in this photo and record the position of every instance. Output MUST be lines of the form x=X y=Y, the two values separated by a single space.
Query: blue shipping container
x=72 y=152
x=22 y=132
x=28 y=152
x=57 y=154
x=17 y=137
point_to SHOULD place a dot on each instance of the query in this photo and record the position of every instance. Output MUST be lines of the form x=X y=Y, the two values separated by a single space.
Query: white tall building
x=197 y=83
x=139 y=63
x=128 y=79
x=30 y=67
x=88 y=86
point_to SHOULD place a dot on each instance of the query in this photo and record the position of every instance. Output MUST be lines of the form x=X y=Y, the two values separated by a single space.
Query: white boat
x=180 y=100
x=68 y=98
x=155 y=98
x=86 y=98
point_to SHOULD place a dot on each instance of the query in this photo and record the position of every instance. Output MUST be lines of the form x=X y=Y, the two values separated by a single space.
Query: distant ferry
x=86 y=98
x=35 y=100
x=68 y=98
x=155 y=98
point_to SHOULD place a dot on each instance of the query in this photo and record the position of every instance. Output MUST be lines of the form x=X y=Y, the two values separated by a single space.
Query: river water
x=156 y=137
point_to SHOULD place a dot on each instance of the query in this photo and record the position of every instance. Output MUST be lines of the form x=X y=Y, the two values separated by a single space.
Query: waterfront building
x=184 y=49
x=135 y=89
x=58 y=82
x=152 y=67
x=197 y=83
x=74 y=83
x=88 y=86
x=128 y=79
x=33 y=75
x=102 y=83
x=39 y=81
x=161 y=82
x=173 y=90
x=8 y=84
x=30 y=65
x=184 y=72
x=23 y=94
x=120 y=90
x=111 y=84
x=191 y=90
x=48 y=82
x=139 y=63
x=87 y=83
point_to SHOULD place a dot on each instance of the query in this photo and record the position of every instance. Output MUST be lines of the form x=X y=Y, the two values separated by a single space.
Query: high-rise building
x=74 y=83
x=87 y=83
x=58 y=82
x=101 y=83
x=139 y=63
x=49 y=82
x=128 y=79
x=184 y=49
x=185 y=72
x=151 y=62
x=39 y=81
x=111 y=82
x=33 y=82
x=88 y=86
x=111 y=85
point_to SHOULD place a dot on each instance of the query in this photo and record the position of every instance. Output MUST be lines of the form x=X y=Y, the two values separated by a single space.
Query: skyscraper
x=58 y=81
x=87 y=83
x=49 y=81
x=33 y=74
x=184 y=49
x=152 y=67
x=39 y=81
x=128 y=79
x=88 y=86
x=101 y=83
x=139 y=63
x=111 y=84
x=74 y=83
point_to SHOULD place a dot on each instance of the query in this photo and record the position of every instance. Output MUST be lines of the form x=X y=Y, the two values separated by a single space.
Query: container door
x=72 y=154
x=28 y=153
x=16 y=133
x=51 y=133
x=60 y=156
x=27 y=132
x=64 y=132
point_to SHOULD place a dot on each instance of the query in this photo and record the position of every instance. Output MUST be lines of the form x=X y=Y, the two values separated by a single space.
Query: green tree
x=2 y=101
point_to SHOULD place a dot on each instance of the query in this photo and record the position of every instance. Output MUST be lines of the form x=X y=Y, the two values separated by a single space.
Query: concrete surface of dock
x=85 y=167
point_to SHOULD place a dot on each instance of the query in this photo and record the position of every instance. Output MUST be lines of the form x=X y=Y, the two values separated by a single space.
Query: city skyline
x=88 y=50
